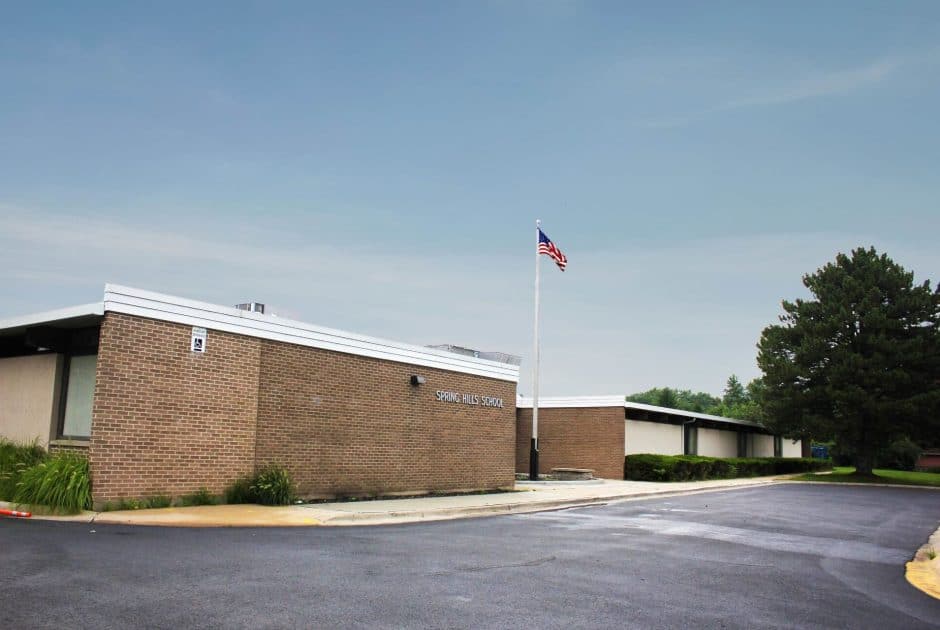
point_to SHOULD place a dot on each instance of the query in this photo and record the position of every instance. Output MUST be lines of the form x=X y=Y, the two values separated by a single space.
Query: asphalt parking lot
x=785 y=556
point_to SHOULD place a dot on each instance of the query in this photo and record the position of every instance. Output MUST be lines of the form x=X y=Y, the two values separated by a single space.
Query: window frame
x=63 y=386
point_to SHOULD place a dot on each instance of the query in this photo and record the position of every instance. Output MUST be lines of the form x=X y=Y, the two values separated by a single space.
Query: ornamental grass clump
x=61 y=484
x=14 y=459
x=272 y=486
x=240 y=491
x=200 y=497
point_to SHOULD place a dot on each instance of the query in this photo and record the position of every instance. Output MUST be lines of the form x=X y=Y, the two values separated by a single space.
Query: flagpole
x=534 y=446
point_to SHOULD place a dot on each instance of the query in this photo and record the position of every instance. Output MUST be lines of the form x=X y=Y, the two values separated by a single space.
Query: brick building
x=596 y=432
x=167 y=396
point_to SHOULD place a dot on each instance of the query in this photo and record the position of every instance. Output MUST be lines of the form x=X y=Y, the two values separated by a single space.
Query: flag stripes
x=547 y=247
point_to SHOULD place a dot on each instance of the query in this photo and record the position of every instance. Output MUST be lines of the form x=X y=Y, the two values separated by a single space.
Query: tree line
x=737 y=401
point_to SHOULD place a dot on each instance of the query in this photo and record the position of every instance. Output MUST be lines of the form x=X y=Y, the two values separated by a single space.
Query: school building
x=167 y=395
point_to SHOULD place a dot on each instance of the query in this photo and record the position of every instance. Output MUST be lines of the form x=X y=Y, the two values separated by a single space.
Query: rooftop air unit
x=254 y=307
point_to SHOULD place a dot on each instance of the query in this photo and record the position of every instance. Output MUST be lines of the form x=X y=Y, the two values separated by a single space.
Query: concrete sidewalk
x=530 y=497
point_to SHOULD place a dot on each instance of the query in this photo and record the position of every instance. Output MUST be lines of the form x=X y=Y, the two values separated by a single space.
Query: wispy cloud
x=812 y=85
x=817 y=86
x=316 y=281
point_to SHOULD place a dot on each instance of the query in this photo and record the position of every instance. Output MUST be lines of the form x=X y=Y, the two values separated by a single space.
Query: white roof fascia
x=129 y=301
x=689 y=414
x=48 y=317
x=561 y=402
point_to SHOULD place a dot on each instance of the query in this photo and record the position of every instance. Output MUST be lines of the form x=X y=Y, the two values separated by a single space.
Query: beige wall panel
x=761 y=446
x=717 y=443
x=652 y=437
x=791 y=448
x=27 y=393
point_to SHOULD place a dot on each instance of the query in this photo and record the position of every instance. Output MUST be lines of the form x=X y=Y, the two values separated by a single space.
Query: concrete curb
x=524 y=507
x=84 y=517
x=292 y=517
x=923 y=572
x=924 y=576
x=446 y=514
x=867 y=485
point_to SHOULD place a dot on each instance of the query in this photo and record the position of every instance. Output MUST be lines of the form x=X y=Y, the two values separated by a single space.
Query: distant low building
x=929 y=459
x=596 y=432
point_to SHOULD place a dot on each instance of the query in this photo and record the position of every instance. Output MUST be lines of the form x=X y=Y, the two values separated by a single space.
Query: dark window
x=742 y=444
x=778 y=446
x=690 y=441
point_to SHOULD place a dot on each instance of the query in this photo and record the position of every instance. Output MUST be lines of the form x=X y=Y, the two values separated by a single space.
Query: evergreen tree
x=734 y=392
x=859 y=362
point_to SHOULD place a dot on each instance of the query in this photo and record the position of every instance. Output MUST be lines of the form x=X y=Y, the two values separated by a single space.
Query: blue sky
x=379 y=166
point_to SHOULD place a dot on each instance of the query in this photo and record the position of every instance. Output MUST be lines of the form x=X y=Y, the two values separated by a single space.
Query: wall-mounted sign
x=197 y=342
x=468 y=399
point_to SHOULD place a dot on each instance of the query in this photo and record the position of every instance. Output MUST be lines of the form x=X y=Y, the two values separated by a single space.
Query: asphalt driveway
x=781 y=556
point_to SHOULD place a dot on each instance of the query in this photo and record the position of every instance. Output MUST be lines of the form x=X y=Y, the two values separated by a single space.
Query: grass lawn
x=900 y=477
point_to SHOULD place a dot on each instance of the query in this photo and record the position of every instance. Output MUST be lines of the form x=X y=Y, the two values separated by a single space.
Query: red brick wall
x=56 y=449
x=345 y=424
x=167 y=420
x=574 y=438
x=926 y=460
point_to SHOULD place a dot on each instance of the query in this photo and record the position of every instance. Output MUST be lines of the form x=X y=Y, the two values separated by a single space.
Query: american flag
x=546 y=246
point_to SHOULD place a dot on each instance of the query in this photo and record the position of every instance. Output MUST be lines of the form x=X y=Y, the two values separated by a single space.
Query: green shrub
x=147 y=503
x=241 y=491
x=900 y=455
x=648 y=467
x=158 y=501
x=61 y=484
x=14 y=459
x=272 y=486
x=200 y=497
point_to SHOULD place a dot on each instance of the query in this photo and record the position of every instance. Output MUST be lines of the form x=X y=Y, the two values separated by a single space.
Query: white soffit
x=59 y=315
x=119 y=299
x=689 y=414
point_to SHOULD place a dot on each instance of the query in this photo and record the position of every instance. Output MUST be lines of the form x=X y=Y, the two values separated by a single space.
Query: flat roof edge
x=580 y=402
x=561 y=402
x=141 y=303
x=691 y=414
x=49 y=317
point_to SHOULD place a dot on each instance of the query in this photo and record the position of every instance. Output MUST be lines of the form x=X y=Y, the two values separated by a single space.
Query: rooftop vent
x=254 y=307
x=501 y=357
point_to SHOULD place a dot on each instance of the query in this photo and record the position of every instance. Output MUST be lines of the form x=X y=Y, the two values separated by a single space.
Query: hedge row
x=692 y=467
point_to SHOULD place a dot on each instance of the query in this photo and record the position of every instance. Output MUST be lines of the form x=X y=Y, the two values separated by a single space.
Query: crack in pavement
x=476 y=569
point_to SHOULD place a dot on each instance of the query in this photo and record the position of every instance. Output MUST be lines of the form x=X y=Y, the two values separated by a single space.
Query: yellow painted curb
x=924 y=576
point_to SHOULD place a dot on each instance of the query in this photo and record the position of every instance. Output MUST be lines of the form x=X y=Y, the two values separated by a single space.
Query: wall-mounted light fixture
x=418 y=380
